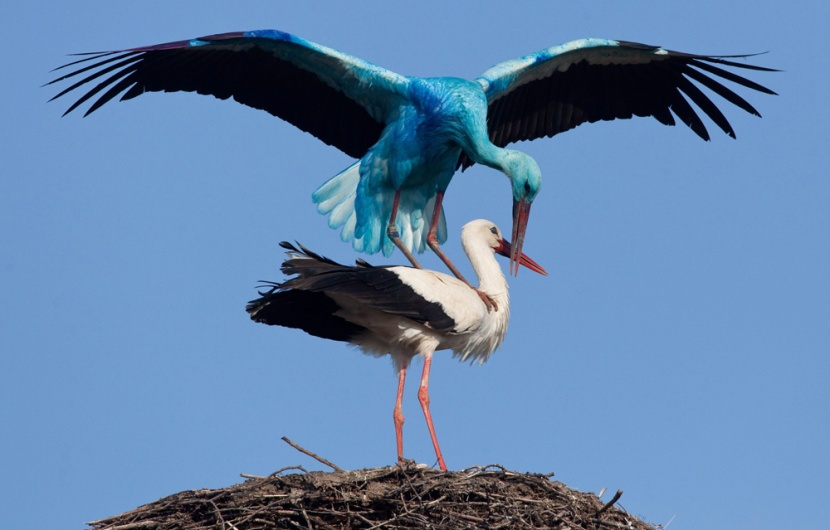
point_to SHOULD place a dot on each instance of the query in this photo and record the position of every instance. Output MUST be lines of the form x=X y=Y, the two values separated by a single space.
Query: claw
x=488 y=302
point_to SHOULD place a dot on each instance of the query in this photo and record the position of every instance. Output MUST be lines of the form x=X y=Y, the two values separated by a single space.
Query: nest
x=402 y=496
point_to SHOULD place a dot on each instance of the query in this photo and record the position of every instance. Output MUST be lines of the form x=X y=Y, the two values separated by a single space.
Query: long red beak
x=506 y=249
x=521 y=213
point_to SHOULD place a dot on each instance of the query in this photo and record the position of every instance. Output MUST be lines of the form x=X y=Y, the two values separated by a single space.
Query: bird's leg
x=392 y=232
x=423 y=397
x=398 y=413
x=432 y=241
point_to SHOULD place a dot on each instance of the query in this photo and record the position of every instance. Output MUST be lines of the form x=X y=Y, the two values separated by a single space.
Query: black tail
x=309 y=311
x=290 y=307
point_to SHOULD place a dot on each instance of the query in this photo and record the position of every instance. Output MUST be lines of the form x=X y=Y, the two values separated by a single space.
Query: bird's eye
x=527 y=187
x=494 y=230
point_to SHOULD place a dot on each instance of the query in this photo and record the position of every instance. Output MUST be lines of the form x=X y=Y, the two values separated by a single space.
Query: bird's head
x=526 y=180
x=485 y=231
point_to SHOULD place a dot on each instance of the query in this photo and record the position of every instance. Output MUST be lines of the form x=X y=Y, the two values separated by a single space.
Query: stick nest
x=405 y=496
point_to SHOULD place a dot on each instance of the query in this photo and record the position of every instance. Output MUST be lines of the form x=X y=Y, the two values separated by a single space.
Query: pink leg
x=423 y=397
x=432 y=238
x=432 y=241
x=392 y=232
x=398 y=414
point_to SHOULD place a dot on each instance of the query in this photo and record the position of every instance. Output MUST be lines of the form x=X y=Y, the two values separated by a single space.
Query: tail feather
x=336 y=195
x=342 y=213
x=336 y=198
x=312 y=312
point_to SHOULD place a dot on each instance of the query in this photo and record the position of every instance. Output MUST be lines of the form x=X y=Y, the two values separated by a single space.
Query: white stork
x=402 y=311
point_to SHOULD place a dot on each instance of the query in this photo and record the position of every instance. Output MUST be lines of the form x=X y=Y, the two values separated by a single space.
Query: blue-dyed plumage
x=411 y=134
x=418 y=154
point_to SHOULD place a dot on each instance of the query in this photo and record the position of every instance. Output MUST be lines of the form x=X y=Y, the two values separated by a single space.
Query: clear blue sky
x=677 y=351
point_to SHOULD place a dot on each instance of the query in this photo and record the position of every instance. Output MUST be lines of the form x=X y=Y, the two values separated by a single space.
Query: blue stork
x=411 y=134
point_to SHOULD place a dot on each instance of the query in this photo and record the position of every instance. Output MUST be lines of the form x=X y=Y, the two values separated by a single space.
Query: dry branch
x=309 y=453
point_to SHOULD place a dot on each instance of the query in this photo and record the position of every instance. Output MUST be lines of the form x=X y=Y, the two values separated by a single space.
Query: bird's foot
x=488 y=302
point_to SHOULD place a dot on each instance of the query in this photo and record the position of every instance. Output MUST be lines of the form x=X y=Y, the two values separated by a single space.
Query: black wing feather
x=587 y=93
x=253 y=77
x=309 y=311
x=375 y=287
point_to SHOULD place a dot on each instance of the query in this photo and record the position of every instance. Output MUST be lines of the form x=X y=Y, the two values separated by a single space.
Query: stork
x=396 y=310
x=411 y=134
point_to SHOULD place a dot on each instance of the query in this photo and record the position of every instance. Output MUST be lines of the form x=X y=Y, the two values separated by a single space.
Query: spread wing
x=588 y=80
x=340 y=99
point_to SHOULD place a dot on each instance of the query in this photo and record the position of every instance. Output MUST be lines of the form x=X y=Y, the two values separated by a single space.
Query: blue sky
x=677 y=351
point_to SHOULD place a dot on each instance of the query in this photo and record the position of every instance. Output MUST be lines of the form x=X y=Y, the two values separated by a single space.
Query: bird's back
x=398 y=310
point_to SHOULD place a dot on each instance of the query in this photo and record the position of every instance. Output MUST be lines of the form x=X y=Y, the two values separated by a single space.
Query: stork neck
x=491 y=278
x=486 y=153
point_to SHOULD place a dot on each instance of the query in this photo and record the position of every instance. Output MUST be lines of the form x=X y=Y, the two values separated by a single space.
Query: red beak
x=505 y=249
x=521 y=213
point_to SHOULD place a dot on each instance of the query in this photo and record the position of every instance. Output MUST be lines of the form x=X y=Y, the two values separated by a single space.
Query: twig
x=220 y=518
x=373 y=523
x=312 y=455
x=245 y=475
x=436 y=501
x=305 y=515
x=133 y=526
x=478 y=470
x=277 y=472
x=469 y=517
x=610 y=503
x=611 y=523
